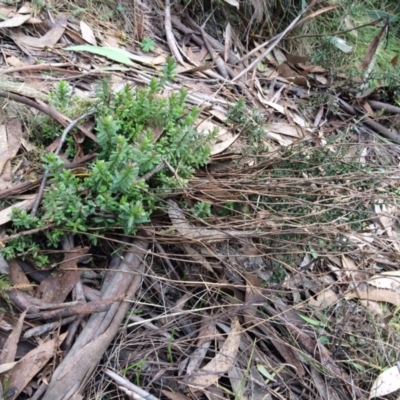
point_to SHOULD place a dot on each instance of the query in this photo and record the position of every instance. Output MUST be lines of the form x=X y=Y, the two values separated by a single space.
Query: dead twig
x=79 y=309
x=129 y=385
x=45 y=109
x=170 y=36
x=273 y=44
x=88 y=349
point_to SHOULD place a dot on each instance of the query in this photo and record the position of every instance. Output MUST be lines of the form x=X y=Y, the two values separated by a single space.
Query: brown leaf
x=228 y=139
x=47 y=40
x=295 y=59
x=32 y=363
x=221 y=363
x=372 y=48
x=10 y=347
x=174 y=396
x=375 y=294
x=17 y=275
x=56 y=288
x=395 y=60
x=285 y=71
x=87 y=33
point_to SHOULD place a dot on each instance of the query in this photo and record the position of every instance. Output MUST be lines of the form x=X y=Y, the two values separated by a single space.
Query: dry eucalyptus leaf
x=48 y=40
x=222 y=362
x=233 y=3
x=87 y=33
x=386 y=383
x=15 y=21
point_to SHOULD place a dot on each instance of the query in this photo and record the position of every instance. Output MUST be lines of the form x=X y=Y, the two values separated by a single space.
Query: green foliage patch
x=137 y=130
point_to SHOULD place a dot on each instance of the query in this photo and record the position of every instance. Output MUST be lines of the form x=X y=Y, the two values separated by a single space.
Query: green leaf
x=312 y=322
x=340 y=44
x=147 y=45
x=3 y=17
x=118 y=55
x=263 y=371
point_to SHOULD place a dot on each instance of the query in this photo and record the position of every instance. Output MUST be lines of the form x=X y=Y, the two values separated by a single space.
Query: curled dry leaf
x=222 y=362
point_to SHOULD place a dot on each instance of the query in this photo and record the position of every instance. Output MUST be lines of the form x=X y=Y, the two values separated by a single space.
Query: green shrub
x=136 y=130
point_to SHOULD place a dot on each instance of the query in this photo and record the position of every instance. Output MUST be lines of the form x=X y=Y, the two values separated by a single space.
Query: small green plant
x=202 y=209
x=112 y=195
x=138 y=367
x=147 y=45
x=44 y=129
x=251 y=124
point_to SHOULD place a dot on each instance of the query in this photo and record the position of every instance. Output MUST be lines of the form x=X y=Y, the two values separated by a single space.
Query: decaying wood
x=123 y=278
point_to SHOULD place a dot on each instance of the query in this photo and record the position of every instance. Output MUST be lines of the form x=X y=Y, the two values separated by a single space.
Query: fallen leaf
x=296 y=118
x=174 y=396
x=286 y=129
x=118 y=55
x=9 y=349
x=279 y=56
x=87 y=33
x=220 y=364
x=316 y=13
x=190 y=231
x=386 y=383
x=373 y=47
x=32 y=363
x=382 y=282
x=221 y=146
x=10 y=142
x=5 y=215
x=374 y=294
x=6 y=367
x=15 y=21
x=324 y=299
x=295 y=59
x=55 y=288
x=350 y=26
x=340 y=44
x=233 y=3
x=15 y=61
x=47 y=40
x=26 y=8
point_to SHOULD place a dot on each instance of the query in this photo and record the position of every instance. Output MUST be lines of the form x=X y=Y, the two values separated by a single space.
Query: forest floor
x=256 y=254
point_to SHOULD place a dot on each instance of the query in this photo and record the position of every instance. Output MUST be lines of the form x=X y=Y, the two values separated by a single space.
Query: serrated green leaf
x=147 y=45
x=118 y=55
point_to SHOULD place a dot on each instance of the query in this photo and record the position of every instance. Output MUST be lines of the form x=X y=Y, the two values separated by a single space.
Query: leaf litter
x=286 y=288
